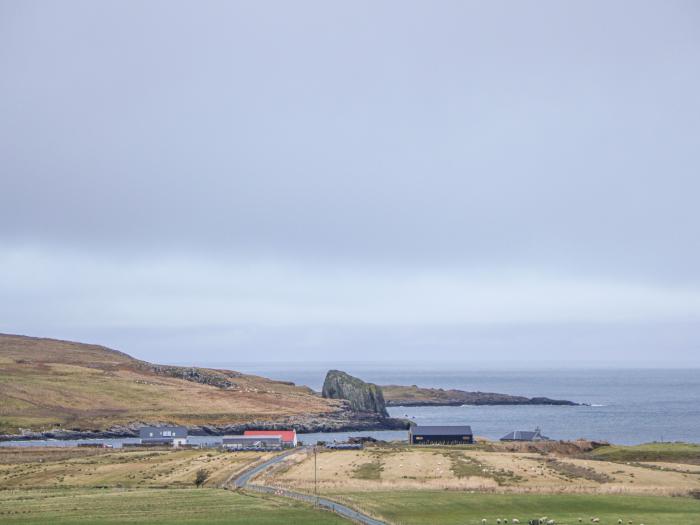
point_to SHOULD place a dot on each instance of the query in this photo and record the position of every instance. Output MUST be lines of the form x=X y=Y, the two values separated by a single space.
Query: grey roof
x=524 y=435
x=251 y=439
x=176 y=432
x=442 y=430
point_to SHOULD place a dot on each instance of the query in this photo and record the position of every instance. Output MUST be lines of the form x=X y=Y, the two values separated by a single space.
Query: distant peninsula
x=415 y=396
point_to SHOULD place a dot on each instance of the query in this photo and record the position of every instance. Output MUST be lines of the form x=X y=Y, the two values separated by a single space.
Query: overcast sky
x=493 y=182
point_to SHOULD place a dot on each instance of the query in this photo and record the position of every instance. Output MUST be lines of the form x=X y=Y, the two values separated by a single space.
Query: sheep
x=619 y=522
x=551 y=522
x=515 y=520
x=483 y=521
x=498 y=520
x=595 y=520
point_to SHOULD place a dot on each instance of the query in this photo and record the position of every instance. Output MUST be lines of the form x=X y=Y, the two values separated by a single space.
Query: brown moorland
x=47 y=384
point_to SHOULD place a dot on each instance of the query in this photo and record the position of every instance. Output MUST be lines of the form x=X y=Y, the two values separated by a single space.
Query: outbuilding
x=174 y=436
x=525 y=435
x=440 y=435
x=289 y=437
x=252 y=442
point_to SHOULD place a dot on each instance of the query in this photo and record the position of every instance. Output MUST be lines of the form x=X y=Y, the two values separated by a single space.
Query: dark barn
x=440 y=435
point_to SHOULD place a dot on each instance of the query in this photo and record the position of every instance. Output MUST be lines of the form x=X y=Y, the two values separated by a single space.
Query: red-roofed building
x=289 y=437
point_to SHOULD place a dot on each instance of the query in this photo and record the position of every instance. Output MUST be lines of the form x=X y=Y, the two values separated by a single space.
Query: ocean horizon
x=623 y=406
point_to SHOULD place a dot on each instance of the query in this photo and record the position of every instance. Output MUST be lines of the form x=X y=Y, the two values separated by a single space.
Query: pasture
x=154 y=506
x=464 y=508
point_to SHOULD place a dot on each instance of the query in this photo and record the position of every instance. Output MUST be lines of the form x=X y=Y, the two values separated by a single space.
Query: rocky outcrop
x=204 y=376
x=361 y=396
x=397 y=395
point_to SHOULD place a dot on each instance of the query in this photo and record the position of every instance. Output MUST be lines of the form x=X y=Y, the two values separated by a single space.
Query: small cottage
x=174 y=436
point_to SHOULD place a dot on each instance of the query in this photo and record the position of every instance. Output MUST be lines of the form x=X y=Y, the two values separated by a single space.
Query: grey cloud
x=546 y=138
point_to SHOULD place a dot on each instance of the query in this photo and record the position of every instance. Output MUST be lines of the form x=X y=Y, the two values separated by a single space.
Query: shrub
x=201 y=477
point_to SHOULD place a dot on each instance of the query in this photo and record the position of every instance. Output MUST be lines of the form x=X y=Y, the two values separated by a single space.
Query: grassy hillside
x=45 y=383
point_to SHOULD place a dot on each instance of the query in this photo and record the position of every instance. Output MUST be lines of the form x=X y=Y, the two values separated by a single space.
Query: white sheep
x=515 y=520
x=595 y=520
x=551 y=522
x=619 y=521
x=498 y=520
x=483 y=521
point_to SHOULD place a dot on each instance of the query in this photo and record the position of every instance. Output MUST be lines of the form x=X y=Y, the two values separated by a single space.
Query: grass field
x=167 y=506
x=463 y=508
x=33 y=468
x=687 y=453
x=402 y=468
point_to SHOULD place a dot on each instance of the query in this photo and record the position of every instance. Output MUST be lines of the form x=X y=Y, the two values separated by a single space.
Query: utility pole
x=315 y=477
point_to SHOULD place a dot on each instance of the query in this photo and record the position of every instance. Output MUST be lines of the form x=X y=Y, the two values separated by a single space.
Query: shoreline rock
x=361 y=396
x=345 y=420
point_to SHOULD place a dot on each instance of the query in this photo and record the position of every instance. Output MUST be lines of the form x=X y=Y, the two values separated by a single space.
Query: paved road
x=243 y=481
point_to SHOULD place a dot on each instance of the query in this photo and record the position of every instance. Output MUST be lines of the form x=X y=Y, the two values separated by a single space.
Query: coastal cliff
x=397 y=395
x=362 y=397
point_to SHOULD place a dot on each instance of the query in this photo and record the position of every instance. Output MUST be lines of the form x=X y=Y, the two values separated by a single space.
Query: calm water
x=628 y=406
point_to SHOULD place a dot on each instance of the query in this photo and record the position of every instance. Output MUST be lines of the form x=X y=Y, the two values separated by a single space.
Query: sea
x=622 y=406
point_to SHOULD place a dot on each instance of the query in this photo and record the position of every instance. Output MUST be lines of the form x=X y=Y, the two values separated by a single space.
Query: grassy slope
x=666 y=452
x=447 y=508
x=168 y=506
x=46 y=383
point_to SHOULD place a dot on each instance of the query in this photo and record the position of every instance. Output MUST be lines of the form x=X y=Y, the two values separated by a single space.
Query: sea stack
x=362 y=397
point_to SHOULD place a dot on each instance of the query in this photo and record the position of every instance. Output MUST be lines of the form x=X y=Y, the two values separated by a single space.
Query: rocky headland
x=407 y=396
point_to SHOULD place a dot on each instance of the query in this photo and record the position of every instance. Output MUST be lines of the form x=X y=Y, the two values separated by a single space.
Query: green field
x=666 y=452
x=167 y=506
x=460 y=508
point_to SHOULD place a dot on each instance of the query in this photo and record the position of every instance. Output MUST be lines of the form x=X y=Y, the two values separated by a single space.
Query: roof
x=287 y=435
x=444 y=430
x=175 y=432
x=524 y=435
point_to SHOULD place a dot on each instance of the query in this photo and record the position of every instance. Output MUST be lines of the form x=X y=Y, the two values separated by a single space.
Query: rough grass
x=47 y=384
x=371 y=470
x=465 y=466
x=83 y=468
x=665 y=452
x=463 y=508
x=571 y=471
x=167 y=506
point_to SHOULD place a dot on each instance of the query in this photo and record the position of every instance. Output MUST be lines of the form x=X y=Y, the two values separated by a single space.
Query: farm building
x=289 y=437
x=525 y=435
x=174 y=436
x=440 y=435
x=253 y=442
